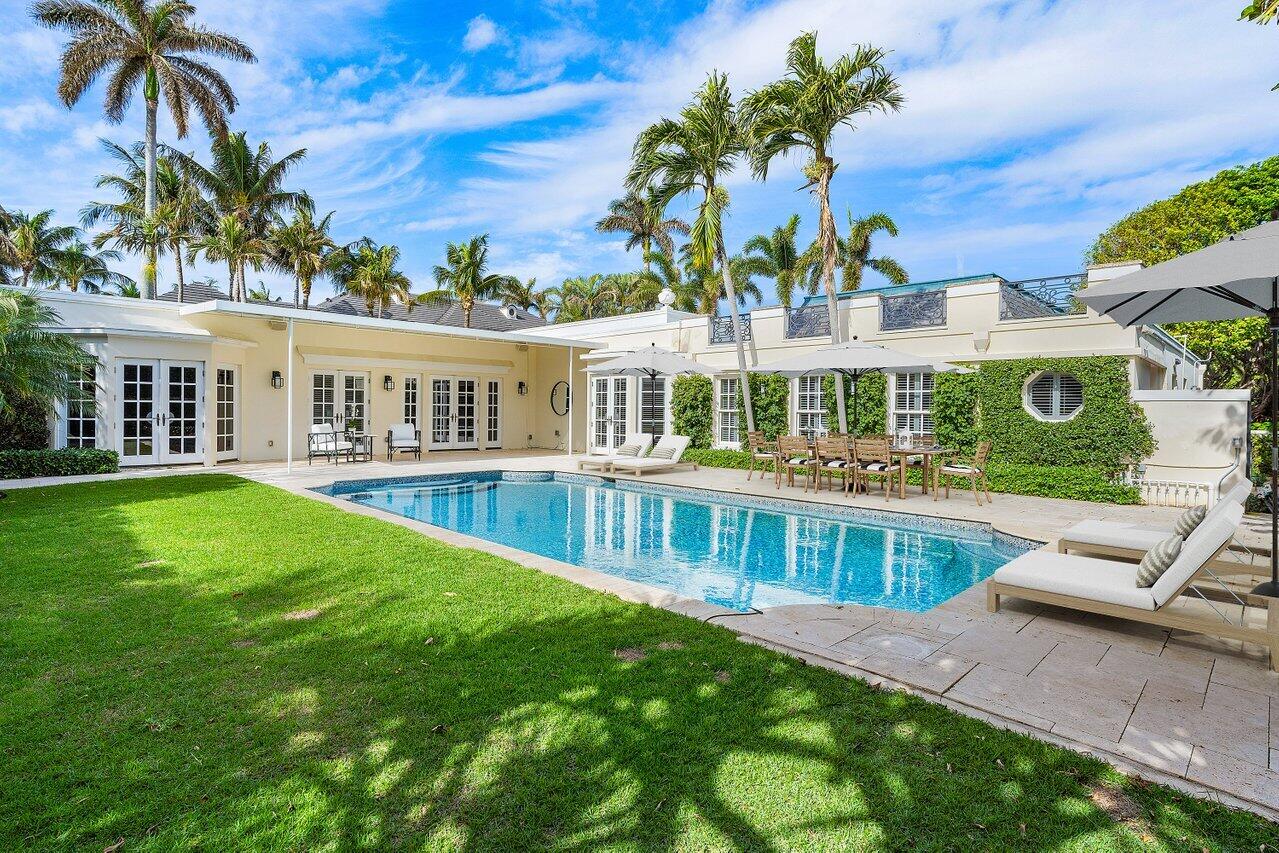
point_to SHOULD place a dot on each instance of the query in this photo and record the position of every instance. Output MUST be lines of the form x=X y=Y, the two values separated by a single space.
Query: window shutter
x=1041 y=395
x=1071 y=396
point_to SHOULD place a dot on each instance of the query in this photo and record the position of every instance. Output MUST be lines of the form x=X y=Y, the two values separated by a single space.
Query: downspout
x=570 y=401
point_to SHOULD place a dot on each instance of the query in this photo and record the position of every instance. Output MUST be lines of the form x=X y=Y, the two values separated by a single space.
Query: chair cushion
x=873 y=466
x=628 y=450
x=404 y=442
x=799 y=460
x=959 y=469
x=1196 y=551
x=1081 y=577
x=1189 y=520
x=1117 y=534
x=835 y=463
x=1157 y=560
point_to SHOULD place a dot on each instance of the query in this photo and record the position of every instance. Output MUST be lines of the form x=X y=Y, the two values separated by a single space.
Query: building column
x=288 y=401
x=571 y=395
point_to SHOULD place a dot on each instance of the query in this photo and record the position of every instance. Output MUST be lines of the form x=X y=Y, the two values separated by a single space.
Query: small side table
x=362 y=448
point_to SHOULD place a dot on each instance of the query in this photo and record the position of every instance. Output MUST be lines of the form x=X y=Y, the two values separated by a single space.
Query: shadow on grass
x=288 y=675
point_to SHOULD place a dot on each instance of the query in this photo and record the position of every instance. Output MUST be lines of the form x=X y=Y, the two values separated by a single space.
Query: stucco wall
x=1200 y=434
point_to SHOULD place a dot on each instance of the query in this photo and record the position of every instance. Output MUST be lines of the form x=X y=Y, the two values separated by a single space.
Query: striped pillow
x=1157 y=561
x=662 y=453
x=628 y=450
x=1189 y=520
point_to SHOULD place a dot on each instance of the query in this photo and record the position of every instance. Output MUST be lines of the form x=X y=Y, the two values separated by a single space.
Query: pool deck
x=1194 y=712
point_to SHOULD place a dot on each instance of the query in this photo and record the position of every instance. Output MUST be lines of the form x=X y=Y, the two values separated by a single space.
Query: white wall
x=1201 y=434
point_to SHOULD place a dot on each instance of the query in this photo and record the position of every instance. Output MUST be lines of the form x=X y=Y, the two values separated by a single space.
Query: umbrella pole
x=856 y=425
x=1271 y=587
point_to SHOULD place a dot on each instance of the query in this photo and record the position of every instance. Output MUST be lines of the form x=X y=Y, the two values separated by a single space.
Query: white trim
x=318 y=359
x=236 y=401
x=151 y=334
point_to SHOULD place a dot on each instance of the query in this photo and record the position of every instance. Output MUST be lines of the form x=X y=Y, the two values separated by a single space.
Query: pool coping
x=639 y=593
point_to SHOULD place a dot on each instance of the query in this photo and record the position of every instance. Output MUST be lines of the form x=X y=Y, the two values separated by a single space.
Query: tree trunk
x=647 y=247
x=297 y=285
x=826 y=238
x=182 y=284
x=731 y=292
x=148 y=207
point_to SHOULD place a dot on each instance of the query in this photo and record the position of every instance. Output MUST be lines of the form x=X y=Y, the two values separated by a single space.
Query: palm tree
x=854 y=251
x=302 y=247
x=7 y=258
x=801 y=112
x=37 y=244
x=79 y=268
x=243 y=182
x=704 y=290
x=230 y=242
x=464 y=276
x=261 y=293
x=36 y=364
x=152 y=43
x=584 y=297
x=128 y=289
x=375 y=279
x=777 y=257
x=641 y=215
x=521 y=294
x=694 y=153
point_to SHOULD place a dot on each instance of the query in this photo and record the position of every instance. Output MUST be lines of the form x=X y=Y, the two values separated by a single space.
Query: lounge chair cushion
x=1117 y=534
x=1081 y=577
x=628 y=450
x=1196 y=551
x=1189 y=520
x=1157 y=560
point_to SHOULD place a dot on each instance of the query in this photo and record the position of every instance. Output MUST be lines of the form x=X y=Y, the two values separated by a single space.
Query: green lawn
x=166 y=680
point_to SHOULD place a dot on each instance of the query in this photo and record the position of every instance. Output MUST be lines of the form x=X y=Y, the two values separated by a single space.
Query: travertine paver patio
x=1186 y=709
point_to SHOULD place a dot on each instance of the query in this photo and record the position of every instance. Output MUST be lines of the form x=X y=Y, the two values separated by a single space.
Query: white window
x=726 y=431
x=912 y=403
x=410 y=400
x=810 y=411
x=1053 y=396
x=81 y=412
x=225 y=403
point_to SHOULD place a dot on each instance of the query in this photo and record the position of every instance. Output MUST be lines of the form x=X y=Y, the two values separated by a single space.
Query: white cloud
x=480 y=33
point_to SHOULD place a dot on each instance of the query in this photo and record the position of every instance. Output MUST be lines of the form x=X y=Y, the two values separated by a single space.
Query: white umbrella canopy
x=855 y=359
x=1237 y=277
x=651 y=361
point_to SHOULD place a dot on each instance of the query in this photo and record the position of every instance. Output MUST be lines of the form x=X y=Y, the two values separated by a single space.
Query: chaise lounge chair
x=665 y=457
x=1109 y=587
x=635 y=446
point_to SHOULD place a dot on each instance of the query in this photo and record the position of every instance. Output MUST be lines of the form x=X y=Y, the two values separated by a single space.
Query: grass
x=200 y=661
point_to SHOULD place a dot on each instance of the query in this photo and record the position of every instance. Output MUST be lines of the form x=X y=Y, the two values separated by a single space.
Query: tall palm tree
x=37 y=244
x=692 y=153
x=302 y=247
x=375 y=279
x=261 y=293
x=78 y=268
x=584 y=297
x=152 y=43
x=7 y=258
x=230 y=242
x=854 y=251
x=703 y=291
x=35 y=363
x=244 y=182
x=777 y=256
x=800 y=113
x=642 y=216
x=464 y=276
x=521 y=294
x=128 y=289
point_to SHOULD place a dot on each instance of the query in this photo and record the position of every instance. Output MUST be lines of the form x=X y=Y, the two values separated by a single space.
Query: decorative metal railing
x=912 y=310
x=722 y=329
x=810 y=321
x=1041 y=297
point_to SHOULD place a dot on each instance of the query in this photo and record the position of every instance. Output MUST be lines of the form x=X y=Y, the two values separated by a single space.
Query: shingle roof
x=193 y=292
x=485 y=315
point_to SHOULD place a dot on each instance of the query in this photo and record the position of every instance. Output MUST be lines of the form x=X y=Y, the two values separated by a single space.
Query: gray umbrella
x=651 y=361
x=1237 y=277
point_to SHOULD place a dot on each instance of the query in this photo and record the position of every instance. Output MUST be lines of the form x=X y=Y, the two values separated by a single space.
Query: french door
x=228 y=413
x=341 y=398
x=609 y=395
x=493 y=414
x=454 y=413
x=161 y=412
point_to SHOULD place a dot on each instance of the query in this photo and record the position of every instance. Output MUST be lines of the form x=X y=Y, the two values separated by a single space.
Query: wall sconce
x=521 y=388
x=277 y=380
x=388 y=383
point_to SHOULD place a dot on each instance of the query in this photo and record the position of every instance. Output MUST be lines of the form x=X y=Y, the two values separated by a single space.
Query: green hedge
x=693 y=409
x=872 y=404
x=1077 y=483
x=770 y=395
x=20 y=464
x=24 y=425
x=955 y=410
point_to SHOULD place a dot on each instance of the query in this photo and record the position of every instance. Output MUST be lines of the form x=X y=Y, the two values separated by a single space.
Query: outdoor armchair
x=403 y=438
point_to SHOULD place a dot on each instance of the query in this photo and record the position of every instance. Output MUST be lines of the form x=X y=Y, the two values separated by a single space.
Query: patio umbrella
x=855 y=359
x=1237 y=277
x=652 y=361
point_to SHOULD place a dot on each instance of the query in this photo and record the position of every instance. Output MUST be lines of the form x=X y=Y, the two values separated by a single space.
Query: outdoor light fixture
x=666 y=297
x=388 y=383
x=521 y=388
x=277 y=380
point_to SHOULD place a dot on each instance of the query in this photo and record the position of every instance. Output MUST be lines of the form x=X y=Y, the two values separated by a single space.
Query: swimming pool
x=734 y=551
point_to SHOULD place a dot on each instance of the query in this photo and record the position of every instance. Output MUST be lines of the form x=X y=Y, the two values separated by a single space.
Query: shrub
x=20 y=464
x=770 y=395
x=693 y=409
x=739 y=459
x=24 y=425
x=872 y=404
x=955 y=410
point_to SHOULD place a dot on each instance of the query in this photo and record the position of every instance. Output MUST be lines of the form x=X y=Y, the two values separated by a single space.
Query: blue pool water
x=735 y=552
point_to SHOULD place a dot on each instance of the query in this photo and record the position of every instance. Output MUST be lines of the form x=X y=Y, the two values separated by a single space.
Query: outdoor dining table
x=932 y=456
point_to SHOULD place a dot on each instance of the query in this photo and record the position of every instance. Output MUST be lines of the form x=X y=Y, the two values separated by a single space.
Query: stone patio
x=1195 y=712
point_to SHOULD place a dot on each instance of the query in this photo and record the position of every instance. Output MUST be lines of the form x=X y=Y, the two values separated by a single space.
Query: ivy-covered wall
x=1109 y=431
x=872 y=404
x=770 y=395
x=693 y=409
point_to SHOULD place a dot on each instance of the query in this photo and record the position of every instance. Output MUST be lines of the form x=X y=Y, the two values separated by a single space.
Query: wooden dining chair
x=834 y=459
x=974 y=470
x=794 y=453
x=875 y=460
x=763 y=452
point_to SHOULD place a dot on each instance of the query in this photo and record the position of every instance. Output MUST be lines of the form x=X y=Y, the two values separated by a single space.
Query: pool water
x=740 y=553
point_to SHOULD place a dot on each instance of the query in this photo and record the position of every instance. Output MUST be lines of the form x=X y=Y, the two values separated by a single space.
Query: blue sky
x=1028 y=126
